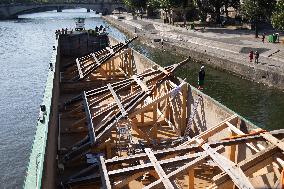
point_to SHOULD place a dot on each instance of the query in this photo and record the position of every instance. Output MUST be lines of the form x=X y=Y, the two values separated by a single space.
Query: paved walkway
x=220 y=42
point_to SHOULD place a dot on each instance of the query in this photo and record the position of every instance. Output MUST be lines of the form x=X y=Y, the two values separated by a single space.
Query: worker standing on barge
x=201 y=77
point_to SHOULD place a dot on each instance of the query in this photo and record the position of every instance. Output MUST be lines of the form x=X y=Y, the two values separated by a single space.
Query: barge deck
x=125 y=122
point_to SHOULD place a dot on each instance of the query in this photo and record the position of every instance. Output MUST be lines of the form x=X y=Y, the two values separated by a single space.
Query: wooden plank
x=95 y=59
x=250 y=165
x=211 y=131
x=117 y=100
x=79 y=69
x=164 y=70
x=239 y=132
x=179 y=149
x=167 y=183
x=126 y=180
x=273 y=140
x=179 y=171
x=186 y=149
x=89 y=119
x=127 y=170
x=190 y=179
x=140 y=83
x=155 y=117
x=230 y=168
x=142 y=114
x=153 y=102
x=184 y=109
x=182 y=169
x=148 y=166
x=104 y=175
x=282 y=180
x=251 y=146
x=232 y=150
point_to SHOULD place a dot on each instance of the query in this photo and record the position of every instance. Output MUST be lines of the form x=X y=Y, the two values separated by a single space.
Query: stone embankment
x=222 y=51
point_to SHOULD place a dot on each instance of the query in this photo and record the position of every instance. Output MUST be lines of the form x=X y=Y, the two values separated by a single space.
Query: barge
x=112 y=118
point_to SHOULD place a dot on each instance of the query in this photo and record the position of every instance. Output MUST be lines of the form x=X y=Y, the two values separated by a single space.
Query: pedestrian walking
x=201 y=77
x=256 y=57
x=250 y=56
x=263 y=37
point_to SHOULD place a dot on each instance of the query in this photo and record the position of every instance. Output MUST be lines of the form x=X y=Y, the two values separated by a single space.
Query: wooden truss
x=102 y=62
x=145 y=102
x=127 y=99
x=165 y=166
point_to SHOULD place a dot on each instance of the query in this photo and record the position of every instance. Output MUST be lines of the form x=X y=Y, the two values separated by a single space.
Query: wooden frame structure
x=153 y=112
x=103 y=108
x=165 y=166
x=102 y=64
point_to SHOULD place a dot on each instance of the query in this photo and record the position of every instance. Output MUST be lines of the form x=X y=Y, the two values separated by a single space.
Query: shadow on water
x=260 y=104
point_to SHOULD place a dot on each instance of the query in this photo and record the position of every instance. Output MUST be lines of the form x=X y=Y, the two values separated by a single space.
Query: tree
x=204 y=8
x=256 y=10
x=216 y=6
x=135 y=5
x=260 y=9
x=231 y=3
x=278 y=15
x=166 y=5
x=154 y=4
x=212 y=7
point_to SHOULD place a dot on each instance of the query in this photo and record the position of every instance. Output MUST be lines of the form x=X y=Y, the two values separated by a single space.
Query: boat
x=112 y=118
x=80 y=24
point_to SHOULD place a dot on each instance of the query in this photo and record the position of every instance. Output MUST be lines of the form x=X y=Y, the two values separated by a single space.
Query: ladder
x=123 y=138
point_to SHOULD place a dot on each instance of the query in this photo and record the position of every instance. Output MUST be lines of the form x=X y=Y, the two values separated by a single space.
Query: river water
x=26 y=46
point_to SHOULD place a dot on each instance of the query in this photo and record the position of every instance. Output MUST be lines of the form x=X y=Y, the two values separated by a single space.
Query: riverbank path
x=220 y=42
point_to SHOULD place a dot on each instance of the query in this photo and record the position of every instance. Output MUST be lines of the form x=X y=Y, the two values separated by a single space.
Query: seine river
x=25 y=51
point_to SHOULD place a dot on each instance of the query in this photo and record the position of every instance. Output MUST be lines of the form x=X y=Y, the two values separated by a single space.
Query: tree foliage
x=278 y=16
x=258 y=9
x=214 y=7
x=135 y=4
x=155 y=4
x=165 y=4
